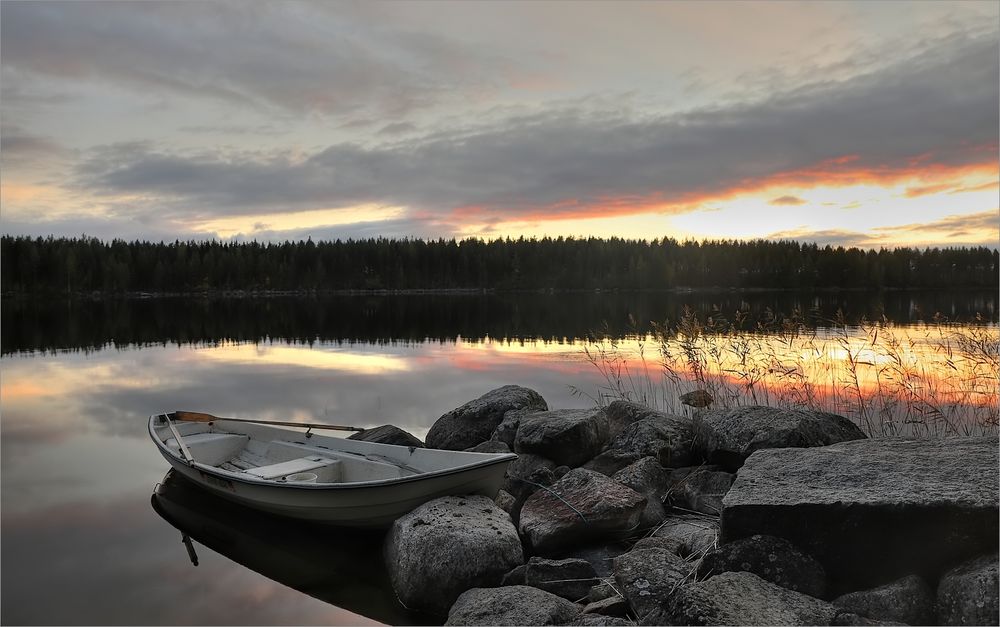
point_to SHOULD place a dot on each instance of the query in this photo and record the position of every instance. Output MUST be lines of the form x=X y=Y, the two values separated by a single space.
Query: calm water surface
x=84 y=543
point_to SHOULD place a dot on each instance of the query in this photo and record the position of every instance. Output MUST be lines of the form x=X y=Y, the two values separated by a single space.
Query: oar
x=196 y=416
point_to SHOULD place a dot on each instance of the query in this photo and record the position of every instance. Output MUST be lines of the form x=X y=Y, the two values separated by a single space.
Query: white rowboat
x=308 y=476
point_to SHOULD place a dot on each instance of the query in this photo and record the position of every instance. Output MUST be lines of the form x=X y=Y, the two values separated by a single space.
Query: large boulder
x=580 y=507
x=774 y=559
x=511 y=605
x=655 y=434
x=569 y=578
x=872 y=511
x=728 y=436
x=740 y=599
x=447 y=546
x=908 y=600
x=967 y=594
x=475 y=421
x=646 y=476
x=645 y=576
x=566 y=436
x=700 y=488
x=387 y=434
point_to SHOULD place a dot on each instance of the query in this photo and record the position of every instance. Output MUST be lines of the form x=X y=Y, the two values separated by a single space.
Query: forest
x=86 y=265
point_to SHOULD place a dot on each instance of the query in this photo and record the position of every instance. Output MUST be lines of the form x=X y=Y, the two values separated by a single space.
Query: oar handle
x=197 y=416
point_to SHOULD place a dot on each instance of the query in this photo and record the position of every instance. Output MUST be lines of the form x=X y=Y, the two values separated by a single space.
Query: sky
x=866 y=124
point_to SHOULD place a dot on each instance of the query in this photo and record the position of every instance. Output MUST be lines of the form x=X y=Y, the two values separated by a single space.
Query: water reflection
x=31 y=325
x=76 y=464
x=339 y=566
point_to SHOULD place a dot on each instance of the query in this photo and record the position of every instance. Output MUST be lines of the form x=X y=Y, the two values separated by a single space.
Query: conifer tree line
x=86 y=264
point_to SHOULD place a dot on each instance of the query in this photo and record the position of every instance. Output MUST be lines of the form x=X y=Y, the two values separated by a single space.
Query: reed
x=930 y=379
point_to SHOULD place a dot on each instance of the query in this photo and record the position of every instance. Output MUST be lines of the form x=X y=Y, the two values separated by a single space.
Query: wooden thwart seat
x=302 y=464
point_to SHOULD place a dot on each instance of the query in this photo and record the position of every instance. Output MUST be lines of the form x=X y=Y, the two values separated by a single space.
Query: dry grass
x=930 y=379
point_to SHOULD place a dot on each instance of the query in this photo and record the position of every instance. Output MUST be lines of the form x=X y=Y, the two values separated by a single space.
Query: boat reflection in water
x=340 y=566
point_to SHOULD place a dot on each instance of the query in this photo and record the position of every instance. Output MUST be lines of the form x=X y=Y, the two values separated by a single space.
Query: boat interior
x=240 y=449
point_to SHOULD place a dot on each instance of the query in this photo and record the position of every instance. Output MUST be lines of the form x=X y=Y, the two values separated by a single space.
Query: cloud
x=288 y=57
x=788 y=200
x=958 y=224
x=978 y=229
x=19 y=146
x=930 y=115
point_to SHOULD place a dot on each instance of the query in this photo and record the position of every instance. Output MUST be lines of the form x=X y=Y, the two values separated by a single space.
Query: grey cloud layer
x=292 y=57
x=937 y=105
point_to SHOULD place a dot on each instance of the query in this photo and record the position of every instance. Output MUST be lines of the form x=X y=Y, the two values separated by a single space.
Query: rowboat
x=276 y=467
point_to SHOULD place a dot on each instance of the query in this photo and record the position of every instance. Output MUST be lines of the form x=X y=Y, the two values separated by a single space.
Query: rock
x=599 y=556
x=511 y=605
x=475 y=421
x=623 y=413
x=967 y=594
x=589 y=506
x=506 y=431
x=560 y=471
x=849 y=618
x=646 y=476
x=569 y=578
x=773 y=559
x=699 y=489
x=728 y=436
x=602 y=591
x=908 y=600
x=690 y=535
x=612 y=605
x=489 y=446
x=566 y=436
x=446 y=546
x=515 y=577
x=597 y=620
x=387 y=434
x=663 y=436
x=522 y=468
x=872 y=511
x=645 y=576
x=696 y=399
x=740 y=599
x=505 y=501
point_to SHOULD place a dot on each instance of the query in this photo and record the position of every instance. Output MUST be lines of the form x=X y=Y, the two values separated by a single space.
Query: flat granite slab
x=873 y=510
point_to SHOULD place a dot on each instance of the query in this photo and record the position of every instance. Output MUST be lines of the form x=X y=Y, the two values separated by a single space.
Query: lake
x=83 y=542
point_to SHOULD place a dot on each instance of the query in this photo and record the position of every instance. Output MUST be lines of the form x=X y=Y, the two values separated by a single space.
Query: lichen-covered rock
x=872 y=511
x=967 y=594
x=387 y=434
x=774 y=559
x=475 y=421
x=646 y=476
x=511 y=605
x=582 y=506
x=728 y=436
x=647 y=576
x=505 y=501
x=740 y=599
x=506 y=431
x=446 y=546
x=700 y=489
x=566 y=436
x=569 y=578
x=850 y=619
x=689 y=535
x=908 y=600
